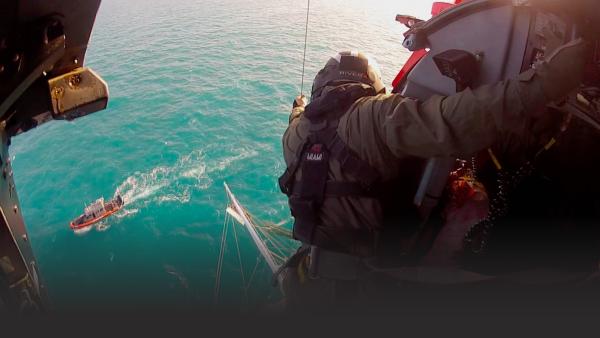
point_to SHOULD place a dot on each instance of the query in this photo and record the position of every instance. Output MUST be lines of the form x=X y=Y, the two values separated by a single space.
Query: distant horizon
x=419 y=8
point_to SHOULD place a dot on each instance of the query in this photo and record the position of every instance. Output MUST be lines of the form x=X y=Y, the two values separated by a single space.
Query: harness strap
x=344 y=188
x=337 y=189
x=352 y=164
x=368 y=178
x=287 y=178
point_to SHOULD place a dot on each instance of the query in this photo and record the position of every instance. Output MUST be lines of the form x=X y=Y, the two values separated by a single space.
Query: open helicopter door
x=42 y=77
x=471 y=44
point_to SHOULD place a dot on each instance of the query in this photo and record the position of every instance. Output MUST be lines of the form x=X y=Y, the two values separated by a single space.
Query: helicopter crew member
x=355 y=154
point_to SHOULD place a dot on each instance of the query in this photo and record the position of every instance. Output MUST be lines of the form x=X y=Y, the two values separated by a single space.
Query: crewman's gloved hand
x=563 y=70
x=300 y=101
x=298 y=107
x=553 y=79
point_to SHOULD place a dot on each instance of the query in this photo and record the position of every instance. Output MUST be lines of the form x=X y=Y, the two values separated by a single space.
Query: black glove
x=563 y=70
x=553 y=79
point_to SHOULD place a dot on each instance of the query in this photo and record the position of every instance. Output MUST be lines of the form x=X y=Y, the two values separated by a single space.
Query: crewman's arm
x=464 y=123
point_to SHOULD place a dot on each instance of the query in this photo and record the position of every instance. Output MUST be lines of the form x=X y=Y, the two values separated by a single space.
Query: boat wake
x=163 y=184
x=174 y=184
x=102 y=226
x=126 y=212
x=170 y=184
x=83 y=231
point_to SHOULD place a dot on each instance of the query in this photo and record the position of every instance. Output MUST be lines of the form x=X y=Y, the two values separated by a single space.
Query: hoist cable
x=305 y=41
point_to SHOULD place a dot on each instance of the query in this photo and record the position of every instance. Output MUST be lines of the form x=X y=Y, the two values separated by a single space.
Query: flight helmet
x=348 y=67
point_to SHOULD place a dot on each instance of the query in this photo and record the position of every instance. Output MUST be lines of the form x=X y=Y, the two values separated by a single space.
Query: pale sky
x=419 y=8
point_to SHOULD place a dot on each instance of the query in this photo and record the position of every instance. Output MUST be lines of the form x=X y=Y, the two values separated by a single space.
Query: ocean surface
x=200 y=92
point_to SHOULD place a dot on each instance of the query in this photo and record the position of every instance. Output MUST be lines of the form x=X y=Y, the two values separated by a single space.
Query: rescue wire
x=305 y=40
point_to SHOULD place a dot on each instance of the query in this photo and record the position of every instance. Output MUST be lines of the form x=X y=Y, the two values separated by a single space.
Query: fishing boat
x=97 y=211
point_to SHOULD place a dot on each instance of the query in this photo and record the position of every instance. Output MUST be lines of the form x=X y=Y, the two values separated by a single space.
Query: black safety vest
x=322 y=145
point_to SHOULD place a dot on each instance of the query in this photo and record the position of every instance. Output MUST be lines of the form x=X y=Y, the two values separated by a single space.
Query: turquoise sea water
x=200 y=94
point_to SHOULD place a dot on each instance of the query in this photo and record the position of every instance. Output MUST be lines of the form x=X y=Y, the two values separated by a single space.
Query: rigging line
x=220 y=260
x=276 y=249
x=275 y=252
x=253 y=273
x=280 y=258
x=273 y=228
x=284 y=246
x=237 y=245
x=269 y=239
x=278 y=231
x=276 y=228
x=305 y=40
x=265 y=239
x=278 y=245
x=258 y=227
x=275 y=236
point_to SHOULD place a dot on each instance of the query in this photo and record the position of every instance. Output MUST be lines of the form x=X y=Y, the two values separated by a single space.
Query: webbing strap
x=290 y=171
x=342 y=189
x=351 y=164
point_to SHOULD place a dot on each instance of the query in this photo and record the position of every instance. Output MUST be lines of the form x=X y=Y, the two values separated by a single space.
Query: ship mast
x=240 y=215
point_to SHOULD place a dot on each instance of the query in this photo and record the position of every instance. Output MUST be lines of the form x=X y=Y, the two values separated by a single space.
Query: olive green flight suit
x=384 y=129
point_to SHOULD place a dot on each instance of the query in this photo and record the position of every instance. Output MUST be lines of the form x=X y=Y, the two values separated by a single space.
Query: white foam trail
x=82 y=231
x=197 y=173
x=143 y=185
x=183 y=198
x=171 y=184
x=126 y=212
x=224 y=163
x=102 y=226
x=161 y=183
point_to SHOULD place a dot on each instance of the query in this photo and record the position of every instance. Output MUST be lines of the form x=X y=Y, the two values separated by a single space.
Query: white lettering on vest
x=314 y=157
